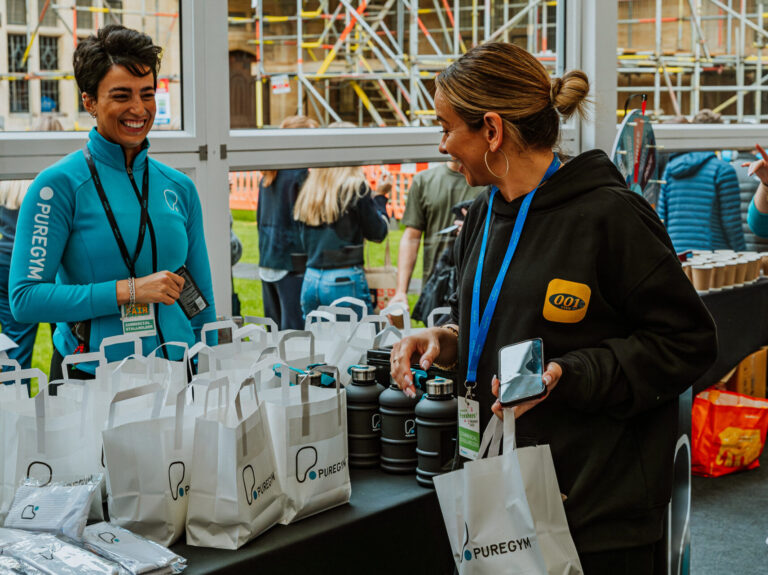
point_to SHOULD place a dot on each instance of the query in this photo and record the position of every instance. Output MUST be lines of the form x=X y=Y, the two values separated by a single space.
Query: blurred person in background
x=699 y=203
x=338 y=211
x=428 y=210
x=279 y=238
x=757 y=216
x=12 y=193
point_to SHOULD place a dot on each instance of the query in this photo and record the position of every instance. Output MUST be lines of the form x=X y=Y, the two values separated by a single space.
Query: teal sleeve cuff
x=104 y=299
x=758 y=221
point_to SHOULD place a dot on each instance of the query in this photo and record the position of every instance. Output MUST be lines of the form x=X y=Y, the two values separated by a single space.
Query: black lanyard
x=130 y=263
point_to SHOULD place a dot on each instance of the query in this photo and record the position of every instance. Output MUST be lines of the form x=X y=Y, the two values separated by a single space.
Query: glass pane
x=359 y=65
x=48 y=13
x=48 y=86
x=691 y=56
x=17 y=11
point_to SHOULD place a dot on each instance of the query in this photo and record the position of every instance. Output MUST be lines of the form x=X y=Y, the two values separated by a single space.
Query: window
x=17 y=11
x=358 y=64
x=19 y=86
x=115 y=14
x=688 y=56
x=49 y=19
x=49 y=60
x=84 y=18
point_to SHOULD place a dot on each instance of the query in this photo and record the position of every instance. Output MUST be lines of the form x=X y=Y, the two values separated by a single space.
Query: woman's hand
x=550 y=377
x=759 y=167
x=384 y=185
x=422 y=349
x=161 y=287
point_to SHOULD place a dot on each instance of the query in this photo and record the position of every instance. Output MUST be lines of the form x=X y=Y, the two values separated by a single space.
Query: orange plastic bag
x=727 y=432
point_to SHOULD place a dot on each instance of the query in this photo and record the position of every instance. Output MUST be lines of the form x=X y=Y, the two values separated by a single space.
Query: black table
x=391 y=525
x=741 y=327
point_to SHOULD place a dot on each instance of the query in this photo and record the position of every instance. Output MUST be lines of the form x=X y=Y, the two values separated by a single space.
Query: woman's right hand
x=422 y=349
x=759 y=167
x=161 y=287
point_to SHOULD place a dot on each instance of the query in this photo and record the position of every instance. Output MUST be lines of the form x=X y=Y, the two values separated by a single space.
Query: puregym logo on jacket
x=176 y=473
x=498 y=548
x=39 y=248
x=566 y=301
x=306 y=461
x=253 y=491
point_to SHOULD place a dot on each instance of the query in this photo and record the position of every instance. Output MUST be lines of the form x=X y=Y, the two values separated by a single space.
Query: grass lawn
x=249 y=291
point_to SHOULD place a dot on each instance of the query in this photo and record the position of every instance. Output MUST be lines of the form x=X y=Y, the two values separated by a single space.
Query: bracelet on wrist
x=454 y=329
x=131 y=291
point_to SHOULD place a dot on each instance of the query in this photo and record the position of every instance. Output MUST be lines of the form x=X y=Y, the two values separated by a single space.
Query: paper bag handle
x=333 y=370
x=216 y=326
x=318 y=316
x=353 y=301
x=266 y=322
x=134 y=392
x=19 y=374
x=336 y=311
x=510 y=441
x=120 y=339
x=222 y=386
x=380 y=336
x=296 y=335
x=78 y=358
x=434 y=313
x=8 y=362
x=380 y=322
x=249 y=331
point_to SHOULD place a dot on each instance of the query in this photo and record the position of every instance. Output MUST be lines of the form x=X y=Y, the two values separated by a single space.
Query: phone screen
x=521 y=366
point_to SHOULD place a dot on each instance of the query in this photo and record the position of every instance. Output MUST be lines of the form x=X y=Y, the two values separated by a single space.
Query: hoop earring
x=506 y=160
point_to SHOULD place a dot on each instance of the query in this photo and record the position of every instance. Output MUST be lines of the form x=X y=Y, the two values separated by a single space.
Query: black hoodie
x=595 y=276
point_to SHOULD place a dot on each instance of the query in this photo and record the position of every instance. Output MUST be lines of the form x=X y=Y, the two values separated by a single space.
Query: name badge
x=469 y=428
x=138 y=319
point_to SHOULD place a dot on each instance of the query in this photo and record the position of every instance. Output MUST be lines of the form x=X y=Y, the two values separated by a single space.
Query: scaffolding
x=694 y=54
x=384 y=55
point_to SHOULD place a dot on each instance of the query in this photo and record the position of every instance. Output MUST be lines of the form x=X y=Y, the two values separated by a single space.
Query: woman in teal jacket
x=103 y=233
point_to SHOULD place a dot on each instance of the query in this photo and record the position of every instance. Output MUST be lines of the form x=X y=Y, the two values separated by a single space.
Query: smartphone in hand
x=521 y=366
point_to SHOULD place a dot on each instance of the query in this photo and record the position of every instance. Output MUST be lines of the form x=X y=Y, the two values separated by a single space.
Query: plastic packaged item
x=436 y=427
x=132 y=552
x=56 y=557
x=12 y=566
x=11 y=536
x=363 y=417
x=55 y=508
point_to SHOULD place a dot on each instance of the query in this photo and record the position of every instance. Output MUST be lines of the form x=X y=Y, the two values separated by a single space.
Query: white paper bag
x=529 y=532
x=236 y=493
x=149 y=464
x=309 y=434
x=354 y=349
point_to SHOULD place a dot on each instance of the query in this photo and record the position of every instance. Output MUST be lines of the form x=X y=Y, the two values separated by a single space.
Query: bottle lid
x=313 y=377
x=440 y=386
x=362 y=373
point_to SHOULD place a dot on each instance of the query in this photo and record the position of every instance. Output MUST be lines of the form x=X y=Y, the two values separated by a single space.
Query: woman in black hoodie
x=617 y=361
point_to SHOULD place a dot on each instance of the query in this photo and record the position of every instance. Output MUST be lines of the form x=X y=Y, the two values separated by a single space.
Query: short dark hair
x=114 y=45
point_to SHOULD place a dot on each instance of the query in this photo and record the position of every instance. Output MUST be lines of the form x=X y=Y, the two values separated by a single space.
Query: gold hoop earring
x=506 y=160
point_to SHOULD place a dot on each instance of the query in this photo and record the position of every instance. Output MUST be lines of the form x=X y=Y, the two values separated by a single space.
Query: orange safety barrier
x=244 y=187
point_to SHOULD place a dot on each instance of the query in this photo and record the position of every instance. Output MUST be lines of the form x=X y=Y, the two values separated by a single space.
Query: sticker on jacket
x=566 y=302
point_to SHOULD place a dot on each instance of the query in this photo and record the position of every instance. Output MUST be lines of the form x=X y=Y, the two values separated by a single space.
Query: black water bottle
x=398 y=430
x=436 y=428
x=363 y=418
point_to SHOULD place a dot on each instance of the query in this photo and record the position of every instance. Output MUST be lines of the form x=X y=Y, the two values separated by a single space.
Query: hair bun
x=569 y=93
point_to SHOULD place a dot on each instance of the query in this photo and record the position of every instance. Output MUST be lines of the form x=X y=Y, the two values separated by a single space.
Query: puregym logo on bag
x=494 y=549
x=306 y=461
x=253 y=491
x=108 y=537
x=176 y=473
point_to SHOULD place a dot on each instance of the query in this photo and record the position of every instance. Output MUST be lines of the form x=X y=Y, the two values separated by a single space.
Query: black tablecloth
x=740 y=315
x=391 y=525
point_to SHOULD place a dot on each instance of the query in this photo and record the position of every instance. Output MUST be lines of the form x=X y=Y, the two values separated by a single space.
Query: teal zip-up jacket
x=66 y=261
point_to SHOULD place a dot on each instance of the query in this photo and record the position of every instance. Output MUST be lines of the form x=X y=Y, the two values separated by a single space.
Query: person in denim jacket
x=337 y=210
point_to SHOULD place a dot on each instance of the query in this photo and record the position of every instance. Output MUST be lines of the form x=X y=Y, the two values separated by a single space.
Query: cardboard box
x=750 y=375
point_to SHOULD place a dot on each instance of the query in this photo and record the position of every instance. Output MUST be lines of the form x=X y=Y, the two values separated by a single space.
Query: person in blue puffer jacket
x=699 y=203
x=103 y=233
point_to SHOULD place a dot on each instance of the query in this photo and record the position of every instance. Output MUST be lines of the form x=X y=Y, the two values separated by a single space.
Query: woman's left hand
x=550 y=377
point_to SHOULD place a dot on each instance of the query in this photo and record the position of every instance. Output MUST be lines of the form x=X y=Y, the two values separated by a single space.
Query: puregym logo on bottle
x=409 y=428
x=307 y=465
x=494 y=549
x=176 y=473
x=253 y=491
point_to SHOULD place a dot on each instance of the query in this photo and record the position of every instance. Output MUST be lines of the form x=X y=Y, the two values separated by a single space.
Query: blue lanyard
x=478 y=330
